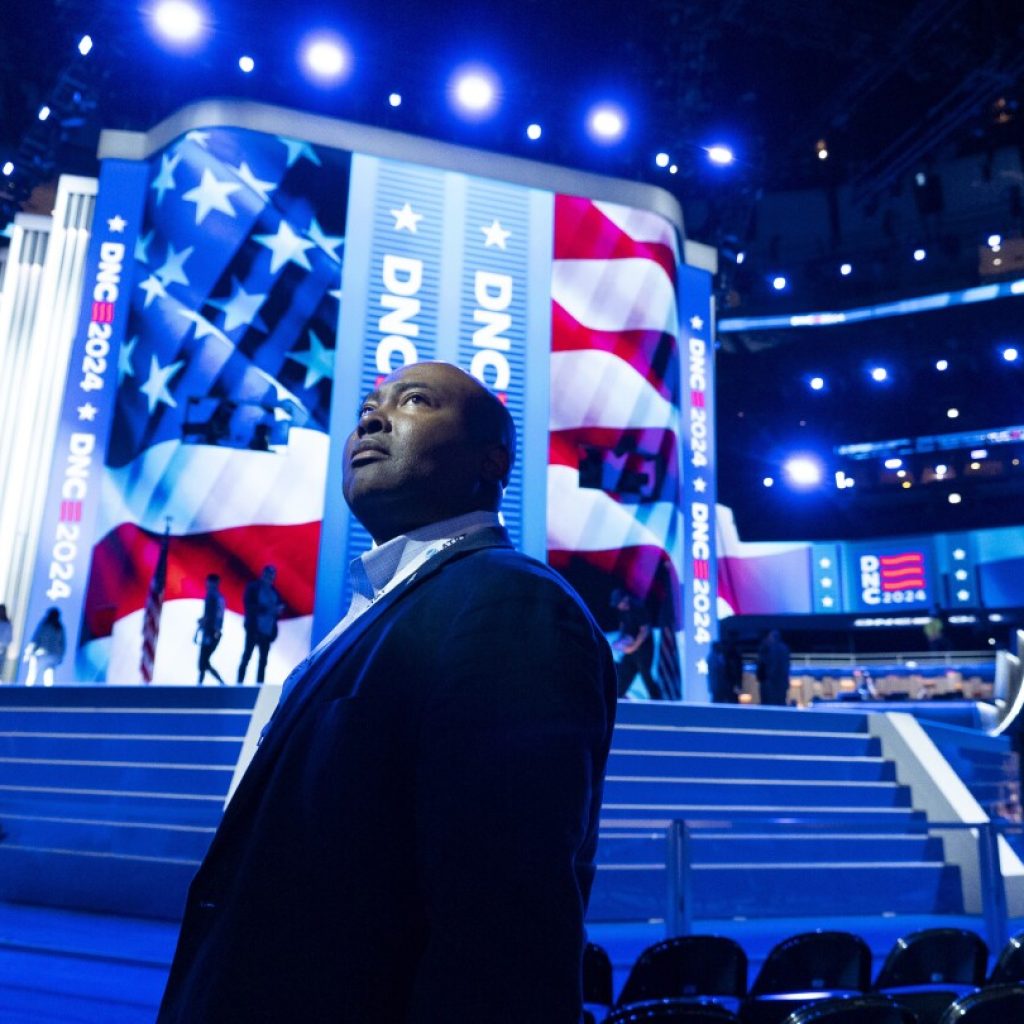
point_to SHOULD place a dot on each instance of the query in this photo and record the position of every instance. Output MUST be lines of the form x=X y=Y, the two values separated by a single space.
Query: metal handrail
x=678 y=920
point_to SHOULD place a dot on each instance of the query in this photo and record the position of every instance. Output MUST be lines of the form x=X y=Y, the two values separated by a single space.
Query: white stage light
x=995 y=241
x=246 y=64
x=803 y=471
x=326 y=58
x=395 y=99
x=474 y=91
x=817 y=383
x=768 y=481
x=720 y=155
x=606 y=123
x=955 y=499
x=952 y=413
x=919 y=255
x=44 y=113
x=85 y=45
x=942 y=365
x=178 y=21
x=1010 y=354
x=533 y=132
x=879 y=373
x=779 y=283
x=662 y=160
x=674 y=169
x=846 y=269
x=8 y=169
x=893 y=463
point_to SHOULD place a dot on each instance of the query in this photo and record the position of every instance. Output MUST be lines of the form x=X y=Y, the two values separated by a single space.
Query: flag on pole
x=154 y=605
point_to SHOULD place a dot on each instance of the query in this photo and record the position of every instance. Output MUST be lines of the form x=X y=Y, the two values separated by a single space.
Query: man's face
x=412 y=459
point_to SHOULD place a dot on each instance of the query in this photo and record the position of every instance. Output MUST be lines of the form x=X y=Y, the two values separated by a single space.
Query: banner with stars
x=73 y=494
x=699 y=575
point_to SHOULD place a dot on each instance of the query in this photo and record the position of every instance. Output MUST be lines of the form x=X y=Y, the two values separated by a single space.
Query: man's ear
x=495 y=466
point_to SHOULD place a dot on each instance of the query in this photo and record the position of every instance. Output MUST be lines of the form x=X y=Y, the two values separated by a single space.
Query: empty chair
x=861 y=1009
x=597 y=976
x=690 y=1011
x=688 y=966
x=928 y=970
x=998 y=1004
x=806 y=968
x=1009 y=966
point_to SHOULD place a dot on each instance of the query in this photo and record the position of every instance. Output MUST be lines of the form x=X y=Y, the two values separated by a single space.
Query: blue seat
x=1009 y=965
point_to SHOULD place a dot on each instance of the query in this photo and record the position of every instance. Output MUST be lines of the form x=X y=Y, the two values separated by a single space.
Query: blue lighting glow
x=246 y=64
x=474 y=91
x=533 y=132
x=85 y=45
x=326 y=58
x=879 y=373
x=178 y=21
x=606 y=123
x=1011 y=354
x=779 y=283
x=720 y=155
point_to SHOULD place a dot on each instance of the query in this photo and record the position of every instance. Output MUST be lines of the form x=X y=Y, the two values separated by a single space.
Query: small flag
x=154 y=605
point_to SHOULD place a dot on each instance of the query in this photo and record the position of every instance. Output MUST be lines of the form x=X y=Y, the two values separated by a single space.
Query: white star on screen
x=261 y=188
x=117 y=224
x=124 y=359
x=298 y=149
x=142 y=247
x=164 y=181
x=700 y=485
x=696 y=322
x=335 y=293
x=153 y=289
x=204 y=329
x=211 y=194
x=702 y=666
x=87 y=412
x=405 y=219
x=286 y=247
x=242 y=309
x=326 y=242
x=318 y=361
x=495 y=234
x=155 y=388
x=173 y=270
x=198 y=137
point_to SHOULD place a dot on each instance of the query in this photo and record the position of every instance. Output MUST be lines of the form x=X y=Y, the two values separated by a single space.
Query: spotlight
x=1010 y=354
x=822 y=149
x=803 y=471
x=952 y=413
x=395 y=99
x=941 y=469
x=893 y=463
x=178 y=21
x=326 y=58
x=779 y=283
x=720 y=155
x=846 y=269
x=817 y=383
x=919 y=255
x=955 y=499
x=879 y=374
x=942 y=365
x=768 y=481
x=674 y=169
x=606 y=123
x=474 y=91
x=662 y=160
x=85 y=45
x=740 y=257
x=979 y=453
x=44 y=113
x=533 y=132
x=246 y=64
x=995 y=241
x=8 y=169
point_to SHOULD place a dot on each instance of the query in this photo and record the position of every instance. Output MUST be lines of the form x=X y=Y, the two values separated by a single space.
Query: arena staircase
x=109 y=796
x=854 y=845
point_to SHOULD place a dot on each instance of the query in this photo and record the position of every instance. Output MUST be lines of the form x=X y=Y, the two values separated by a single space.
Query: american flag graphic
x=613 y=480
x=151 y=615
x=223 y=398
x=902 y=572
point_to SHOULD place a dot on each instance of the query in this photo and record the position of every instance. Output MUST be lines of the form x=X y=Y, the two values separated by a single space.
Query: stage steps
x=109 y=796
x=731 y=766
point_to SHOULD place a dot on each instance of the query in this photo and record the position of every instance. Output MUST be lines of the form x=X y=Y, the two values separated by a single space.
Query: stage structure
x=253 y=272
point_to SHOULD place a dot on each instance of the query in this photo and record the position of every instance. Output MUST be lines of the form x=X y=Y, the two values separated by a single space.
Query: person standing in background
x=773 y=669
x=209 y=627
x=6 y=634
x=263 y=605
x=45 y=650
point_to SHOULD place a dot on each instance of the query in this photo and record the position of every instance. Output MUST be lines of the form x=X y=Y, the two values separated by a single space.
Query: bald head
x=431 y=443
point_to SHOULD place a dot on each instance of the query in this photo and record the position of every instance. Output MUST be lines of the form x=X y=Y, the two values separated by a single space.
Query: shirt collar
x=372 y=571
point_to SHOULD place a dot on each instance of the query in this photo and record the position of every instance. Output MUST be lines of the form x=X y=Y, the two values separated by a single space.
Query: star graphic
x=298 y=149
x=124 y=359
x=155 y=388
x=211 y=194
x=241 y=309
x=318 y=361
x=198 y=137
x=696 y=322
x=87 y=412
x=142 y=247
x=702 y=666
x=204 y=329
x=261 y=188
x=285 y=247
x=495 y=235
x=153 y=289
x=173 y=270
x=117 y=224
x=405 y=219
x=164 y=181
x=700 y=485
x=335 y=293
x=326 y=242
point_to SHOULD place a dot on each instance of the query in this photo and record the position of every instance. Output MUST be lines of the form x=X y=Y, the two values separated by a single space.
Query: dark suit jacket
x=414 y=839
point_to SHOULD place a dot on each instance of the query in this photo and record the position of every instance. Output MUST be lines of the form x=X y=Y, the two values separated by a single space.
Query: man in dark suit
x=414 y=839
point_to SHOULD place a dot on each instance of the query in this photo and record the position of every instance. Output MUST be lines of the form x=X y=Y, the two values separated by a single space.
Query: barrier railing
x=991 y=883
